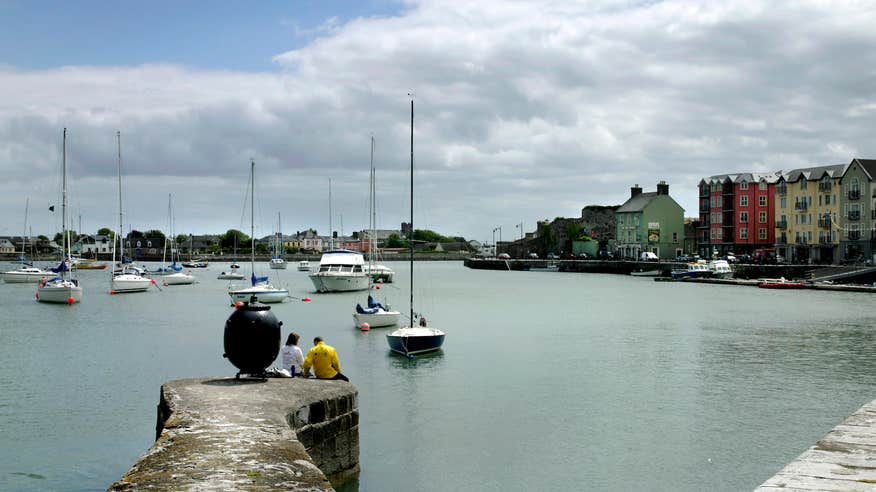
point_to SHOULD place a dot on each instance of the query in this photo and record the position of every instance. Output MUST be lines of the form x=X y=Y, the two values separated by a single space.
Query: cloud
x=524 y=110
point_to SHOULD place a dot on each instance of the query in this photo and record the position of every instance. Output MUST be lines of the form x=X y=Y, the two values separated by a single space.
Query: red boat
x=781 y=283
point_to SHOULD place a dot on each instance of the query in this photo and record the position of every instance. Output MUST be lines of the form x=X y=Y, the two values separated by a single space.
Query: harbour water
x=547 y=381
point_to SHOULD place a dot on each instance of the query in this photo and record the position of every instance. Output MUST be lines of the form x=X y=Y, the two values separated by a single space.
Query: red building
x=737 y=213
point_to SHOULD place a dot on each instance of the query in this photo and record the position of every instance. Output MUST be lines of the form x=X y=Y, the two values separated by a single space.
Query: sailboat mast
x=411 y=235
x=252 y=216
x=373 y=206
x=24 y=233
x=121 y=243
x=65 y=238
x=331 y=234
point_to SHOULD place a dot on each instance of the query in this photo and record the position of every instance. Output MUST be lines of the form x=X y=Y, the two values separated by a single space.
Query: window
x=762 y=217
x=743 y=201
x=761 y=233
x=743 y=185
x=762 y=201
x=762 y=186
x=675 y=238
x=720 y=201
x=743 y=233
x=712 y=202
x=620 y=219
x=802 y=184
x=743 y=217
x=783 y=203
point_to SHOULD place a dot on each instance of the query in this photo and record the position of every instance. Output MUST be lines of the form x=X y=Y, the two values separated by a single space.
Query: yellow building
x=807 y=214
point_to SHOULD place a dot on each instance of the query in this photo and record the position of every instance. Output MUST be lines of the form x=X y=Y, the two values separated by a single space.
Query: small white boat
x=699 y=269
x=379 y=273
x=720 y=269
x=260 y=287
x=230 y=276
x=278 y=264
x=340 y=270
x=62 y=288
x=25 y=274
x=124 y=283
x=645 y=273
x=59 y=290
x=375 y=315
x=127 y=277
x=303 y=266
x=178 y=278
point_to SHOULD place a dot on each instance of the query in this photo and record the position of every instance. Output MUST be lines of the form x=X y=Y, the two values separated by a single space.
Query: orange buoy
x=376 y=286
x=365 y=327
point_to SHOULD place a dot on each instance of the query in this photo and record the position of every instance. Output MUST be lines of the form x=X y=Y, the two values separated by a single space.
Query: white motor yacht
x=303 y=266
x=340 y=270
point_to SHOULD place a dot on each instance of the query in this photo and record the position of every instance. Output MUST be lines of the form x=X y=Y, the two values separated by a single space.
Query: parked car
x=552 y=256
x=504 y=256
x=584 y=256
x=648 y=256
x=533 y=256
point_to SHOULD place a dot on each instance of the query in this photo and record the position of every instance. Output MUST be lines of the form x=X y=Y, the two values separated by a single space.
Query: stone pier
x=844 y=460
x=226 y=434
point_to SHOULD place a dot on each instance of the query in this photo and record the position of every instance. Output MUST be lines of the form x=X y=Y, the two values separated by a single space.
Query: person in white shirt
x=293 y=358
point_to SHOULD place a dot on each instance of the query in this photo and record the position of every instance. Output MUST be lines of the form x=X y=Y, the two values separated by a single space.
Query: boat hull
x=278 y=265
x=416 y=340
x=24 y=277
x=123 y=284
x=781 y=285
x=263 y=294
x=330 y=282
x=376 y=320
x=230 y=276
x=59 y=294
x=646 y=273
x=178 y=279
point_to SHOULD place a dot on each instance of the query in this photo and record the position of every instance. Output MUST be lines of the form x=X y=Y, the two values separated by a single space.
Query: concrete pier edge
x=228 y=434
x=844 y=460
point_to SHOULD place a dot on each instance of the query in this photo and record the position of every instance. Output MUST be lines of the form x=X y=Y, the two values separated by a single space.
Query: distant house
x=90 y=245
x=6 y=246
x=651 y=222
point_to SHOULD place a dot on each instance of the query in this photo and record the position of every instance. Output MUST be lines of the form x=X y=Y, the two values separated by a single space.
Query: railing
x=781 y=224
x=824 y=240
x=783 y=239
x=800 y=205
x=854 y=215
x=854 y=235
x=800 y=240
x=823 y=186
x=704 y=193
x=854 y=194
x=824 y=223
x=704 y=208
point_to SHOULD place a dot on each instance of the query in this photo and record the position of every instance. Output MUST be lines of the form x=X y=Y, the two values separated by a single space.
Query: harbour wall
x=845 y=459
x=250 y=434
x=625 y=267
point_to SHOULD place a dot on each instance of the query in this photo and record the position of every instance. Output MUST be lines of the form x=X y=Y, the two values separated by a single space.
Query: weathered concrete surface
x=845 y=460
x=227 y=434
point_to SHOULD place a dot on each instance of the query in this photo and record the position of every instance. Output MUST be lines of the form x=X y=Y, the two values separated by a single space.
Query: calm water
x=547 y=381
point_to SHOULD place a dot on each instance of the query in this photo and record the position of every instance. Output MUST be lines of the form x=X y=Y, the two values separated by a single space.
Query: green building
x=651 y=222
x=857 y=220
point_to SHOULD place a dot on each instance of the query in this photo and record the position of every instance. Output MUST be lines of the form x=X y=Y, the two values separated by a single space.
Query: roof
x=641 y=201
x=815 y=173
x=746 y=177
x=868 y=165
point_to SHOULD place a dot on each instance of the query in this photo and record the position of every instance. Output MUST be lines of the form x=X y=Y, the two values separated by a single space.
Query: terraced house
x=858 y=212
x=807 y=209
x=650 y=221
x=737 y=213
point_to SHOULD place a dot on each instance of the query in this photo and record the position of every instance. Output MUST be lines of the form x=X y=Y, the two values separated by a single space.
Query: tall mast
x=121 y=242
x=331 y=233
x=373 y=206
x=23 y=234
x=252 y=216
x=411 y=234
x=65 y=239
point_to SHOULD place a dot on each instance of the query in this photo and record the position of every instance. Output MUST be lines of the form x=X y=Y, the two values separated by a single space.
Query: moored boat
x=720 y=269
x=780 y=283
x=340 y=270
x=694 y=270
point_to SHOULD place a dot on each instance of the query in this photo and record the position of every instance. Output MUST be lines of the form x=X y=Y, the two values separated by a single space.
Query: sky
x=524 y=110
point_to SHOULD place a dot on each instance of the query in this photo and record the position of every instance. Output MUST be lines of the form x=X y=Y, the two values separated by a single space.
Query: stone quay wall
x=289 y=434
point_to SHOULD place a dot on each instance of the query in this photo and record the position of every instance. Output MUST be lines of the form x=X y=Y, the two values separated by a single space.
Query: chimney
x=635 y=191
x=662 y=188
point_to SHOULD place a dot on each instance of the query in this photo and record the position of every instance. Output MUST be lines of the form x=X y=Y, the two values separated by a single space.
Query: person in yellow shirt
x=324 y=360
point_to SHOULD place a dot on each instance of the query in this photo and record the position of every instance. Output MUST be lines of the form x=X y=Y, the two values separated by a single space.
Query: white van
x=648 y=256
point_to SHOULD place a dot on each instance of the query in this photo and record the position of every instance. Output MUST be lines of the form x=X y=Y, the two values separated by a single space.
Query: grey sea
x=547 y=381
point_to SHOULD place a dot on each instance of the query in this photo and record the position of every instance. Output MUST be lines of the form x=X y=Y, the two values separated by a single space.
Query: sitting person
x=324 y=360
x=293 y=358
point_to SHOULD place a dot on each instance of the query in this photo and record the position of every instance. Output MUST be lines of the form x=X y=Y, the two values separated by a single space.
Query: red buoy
x=112 y=292
x=306 y=299
x=70 y=300
x=365 y=327
x=153 y=282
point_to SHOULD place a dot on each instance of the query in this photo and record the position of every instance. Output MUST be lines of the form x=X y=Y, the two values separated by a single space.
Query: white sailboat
x=26 y=272
x=125 y=278
x=411 y=340
x=178 y=277
x=375 y=314
x=61 y=288
x=277 y=262
x=261 y=288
